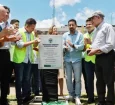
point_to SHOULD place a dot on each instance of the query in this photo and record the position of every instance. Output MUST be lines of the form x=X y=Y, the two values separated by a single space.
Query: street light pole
x=111 y=18
x=53 y=15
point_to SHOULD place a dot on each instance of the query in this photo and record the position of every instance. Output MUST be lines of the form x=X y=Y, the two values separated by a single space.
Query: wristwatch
x=73 y=46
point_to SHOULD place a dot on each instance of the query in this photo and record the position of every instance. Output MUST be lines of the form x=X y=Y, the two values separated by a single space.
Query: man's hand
x=36 y=49
x=37 y=40
x=12 y=31
x=99 y=52
x=69 y=42
x=5 y=32
x=92 y=51
x=9 y=31
x=15 y=38
x=87 y=40
x=12 y=38
x=66 y=48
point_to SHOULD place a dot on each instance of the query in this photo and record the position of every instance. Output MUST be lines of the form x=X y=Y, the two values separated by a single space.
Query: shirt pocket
x=101 y=35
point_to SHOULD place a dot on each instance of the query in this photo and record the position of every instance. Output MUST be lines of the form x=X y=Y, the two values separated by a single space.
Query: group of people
x=19 y=54
x=90 y=53
x=16 y=48
x=95 y=52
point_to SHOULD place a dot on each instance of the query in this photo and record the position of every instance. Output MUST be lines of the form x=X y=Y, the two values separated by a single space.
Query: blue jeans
x=84 y=76
x=76 y=68
x=90 y=69
x=22 y=75
x=35 y=79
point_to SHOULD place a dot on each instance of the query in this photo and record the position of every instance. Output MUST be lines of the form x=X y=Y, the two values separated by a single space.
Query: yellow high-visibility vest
x=20 y=53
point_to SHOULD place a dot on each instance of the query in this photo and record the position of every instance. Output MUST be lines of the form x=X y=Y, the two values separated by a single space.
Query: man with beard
x=73 y=46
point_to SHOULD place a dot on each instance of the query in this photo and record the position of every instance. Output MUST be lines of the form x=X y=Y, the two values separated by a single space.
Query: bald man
x=4 y=32
x=5 y=64
x=2 y=16
x=2 y=13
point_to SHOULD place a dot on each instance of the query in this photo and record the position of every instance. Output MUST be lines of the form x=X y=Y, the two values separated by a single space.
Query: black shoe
x=28 y=99
x=37 y=94
x=100 y=103
x=109 y=103
x=90 y=101
x=4 y=102
x=19 y=101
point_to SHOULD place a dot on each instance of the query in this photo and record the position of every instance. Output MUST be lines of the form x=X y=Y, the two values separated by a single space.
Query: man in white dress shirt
x=103 y=45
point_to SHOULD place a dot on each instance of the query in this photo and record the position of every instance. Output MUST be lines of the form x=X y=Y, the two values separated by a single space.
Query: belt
x=105 y=54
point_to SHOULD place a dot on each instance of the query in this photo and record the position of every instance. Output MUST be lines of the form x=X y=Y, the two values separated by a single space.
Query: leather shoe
x=4 y=102
x=90 y=101
x=19 y=101
x=100 y=103
x=109 y=103
x=28 y=99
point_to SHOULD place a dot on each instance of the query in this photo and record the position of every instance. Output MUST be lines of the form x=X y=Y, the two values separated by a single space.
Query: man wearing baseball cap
x=102 y=46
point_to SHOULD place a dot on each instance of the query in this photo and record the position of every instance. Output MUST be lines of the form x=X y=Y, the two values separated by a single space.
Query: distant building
x=64 y=29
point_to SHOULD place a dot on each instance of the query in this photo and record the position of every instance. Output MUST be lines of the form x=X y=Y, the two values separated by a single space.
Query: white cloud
x=1 y=5
x=59 y=3
x=61 y=15
x=113 y=14
x=48 y=23
x=84 y=14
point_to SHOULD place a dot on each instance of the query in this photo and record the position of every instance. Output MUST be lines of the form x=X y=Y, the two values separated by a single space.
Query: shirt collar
x=91 y=32
x=5 y=24
x=25 y=30
x=76 y=32
x=100 y=25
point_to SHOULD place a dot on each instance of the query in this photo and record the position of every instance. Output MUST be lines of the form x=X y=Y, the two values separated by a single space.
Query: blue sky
x=41 y=10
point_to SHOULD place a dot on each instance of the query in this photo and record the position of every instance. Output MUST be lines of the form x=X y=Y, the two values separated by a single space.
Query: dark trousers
x=11 y=71
x=35 y=79
x=105 y=76
x=84 y=75
x=49 y=82
x=90 y=69
x=5 y=73
x=22 y=76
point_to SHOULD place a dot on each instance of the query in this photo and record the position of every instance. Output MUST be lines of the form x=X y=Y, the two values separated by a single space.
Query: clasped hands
x=92 y=51
x=69 y=43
